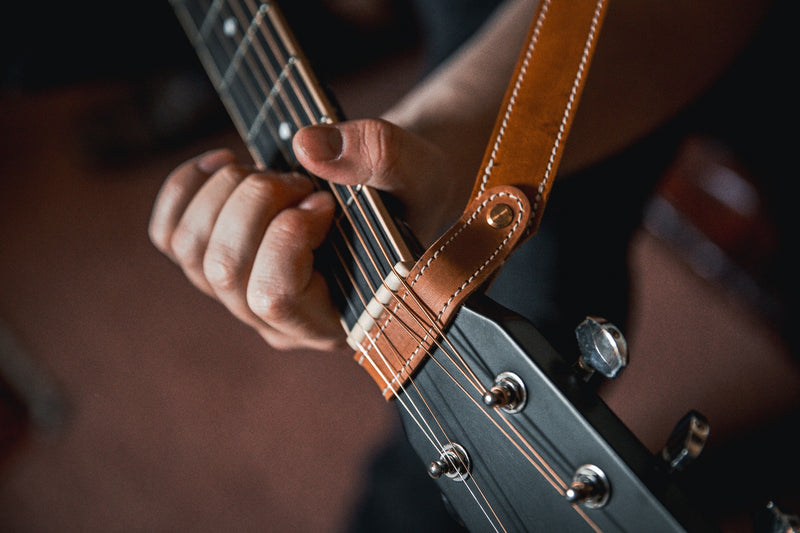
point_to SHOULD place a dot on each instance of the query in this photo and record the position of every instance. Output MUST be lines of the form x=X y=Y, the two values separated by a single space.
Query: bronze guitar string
x=462 y=367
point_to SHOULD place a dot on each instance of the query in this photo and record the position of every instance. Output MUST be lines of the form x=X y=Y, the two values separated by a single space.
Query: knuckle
x=260 y=188
x=187 y=247
x=158 y=237
x=231 y=173
x=174 y=189
x=279 y=342
x=289 y=228
x=270 y=305
x=222 y=270
x=380 y=148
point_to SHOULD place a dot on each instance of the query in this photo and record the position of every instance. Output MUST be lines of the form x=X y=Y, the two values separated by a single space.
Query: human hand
x=247 y=237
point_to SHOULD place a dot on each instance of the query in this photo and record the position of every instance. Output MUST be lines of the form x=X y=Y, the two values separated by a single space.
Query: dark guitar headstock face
x=557 y=460
x=515 y=437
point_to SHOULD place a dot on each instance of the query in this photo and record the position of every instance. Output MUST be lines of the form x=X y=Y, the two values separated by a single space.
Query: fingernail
x=213 y=161
x=321 y=143
x=317 y=201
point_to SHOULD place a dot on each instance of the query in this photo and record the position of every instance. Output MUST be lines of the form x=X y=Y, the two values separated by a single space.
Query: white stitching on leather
x=463 y=286
x=568 y=109
x=490 y=165
x=513 y=100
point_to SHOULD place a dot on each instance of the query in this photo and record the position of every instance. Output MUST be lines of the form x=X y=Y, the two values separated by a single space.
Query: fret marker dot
x=229 y=26
x=285 y=131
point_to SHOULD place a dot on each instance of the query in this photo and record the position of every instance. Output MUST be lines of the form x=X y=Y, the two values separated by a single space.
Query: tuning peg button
x=771 y=519
x=589 y=487
x=602 y=346
x=508 y=393
x=453 y=462
x=686 y=441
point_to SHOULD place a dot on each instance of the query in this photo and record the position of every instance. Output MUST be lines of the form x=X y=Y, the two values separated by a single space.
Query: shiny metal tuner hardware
x=773 y=520
x=453 y=463
x=508 y=393
x=686 y=441
x=589 y=487
x=603 y=347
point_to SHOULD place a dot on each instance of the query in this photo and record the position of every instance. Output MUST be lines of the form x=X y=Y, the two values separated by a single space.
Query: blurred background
x=131 y=402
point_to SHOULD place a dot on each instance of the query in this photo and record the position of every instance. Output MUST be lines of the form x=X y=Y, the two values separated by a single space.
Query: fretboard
x=269 y=90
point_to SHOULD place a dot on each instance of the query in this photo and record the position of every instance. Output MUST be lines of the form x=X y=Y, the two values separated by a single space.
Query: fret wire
x=272 y=41
x=347 y=203
x=190 y=25
x=211 y=13
x=279 y=45
x=242 y=48
x=276 y=48
x=264 y=62
x=243 y=93
x=353 y=199
x=368 y=246
x=248 y=84
x=369 y=252
x=357 y=225
x=267 y=106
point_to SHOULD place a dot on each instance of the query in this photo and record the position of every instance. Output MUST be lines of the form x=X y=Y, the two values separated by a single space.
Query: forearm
x=456 y=106
x=653 y=58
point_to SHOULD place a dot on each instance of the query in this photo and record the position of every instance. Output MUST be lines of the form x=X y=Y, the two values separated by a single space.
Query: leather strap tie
x=508 y=198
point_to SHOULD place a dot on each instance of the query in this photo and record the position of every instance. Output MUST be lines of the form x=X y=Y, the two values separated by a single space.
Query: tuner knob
x=508 y=393
x=686 y=441
x=453 y=462
x=770 y=519
x=589 y=487
x=603 y=347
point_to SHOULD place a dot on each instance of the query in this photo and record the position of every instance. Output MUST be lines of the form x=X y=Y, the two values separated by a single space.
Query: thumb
x=384 y=156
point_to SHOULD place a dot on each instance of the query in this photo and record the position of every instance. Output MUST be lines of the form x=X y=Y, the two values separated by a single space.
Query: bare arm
x=247 y=238
x=653 y=58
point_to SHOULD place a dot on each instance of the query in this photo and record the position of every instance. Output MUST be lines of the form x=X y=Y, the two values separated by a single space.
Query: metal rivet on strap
x=500 y=216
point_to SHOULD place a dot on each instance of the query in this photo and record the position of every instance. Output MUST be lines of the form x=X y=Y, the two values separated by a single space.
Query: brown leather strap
x=508 y=198
x=539 y=105
x=452 y=269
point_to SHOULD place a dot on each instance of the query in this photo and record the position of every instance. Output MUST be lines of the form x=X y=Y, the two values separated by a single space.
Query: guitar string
x=429 y=428
x=240 y=128
x=259 y=12
x=293 y=114
x=437 y=445
x=360 y=207
x=309 y=113
x=385 y=362
x=209 y=61
x=296 y=118
x=362 y=296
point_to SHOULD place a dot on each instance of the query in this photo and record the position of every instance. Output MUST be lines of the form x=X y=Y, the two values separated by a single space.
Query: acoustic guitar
x=513 y=434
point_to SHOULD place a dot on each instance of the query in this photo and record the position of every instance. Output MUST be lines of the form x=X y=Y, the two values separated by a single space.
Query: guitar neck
x=270 y=92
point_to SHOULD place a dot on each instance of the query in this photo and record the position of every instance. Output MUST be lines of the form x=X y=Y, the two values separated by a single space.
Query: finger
x=284 y=290
x=239 y=231
x=177 y=192
x=377 y=153
x=190 y=238
x=361 y=151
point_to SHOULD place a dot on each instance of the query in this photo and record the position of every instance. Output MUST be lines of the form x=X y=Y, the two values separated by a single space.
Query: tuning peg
x=453 y=462
x=686 y=441
x=508 y=393
x=603 y=347
x=589 y=487
x=772 y=520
